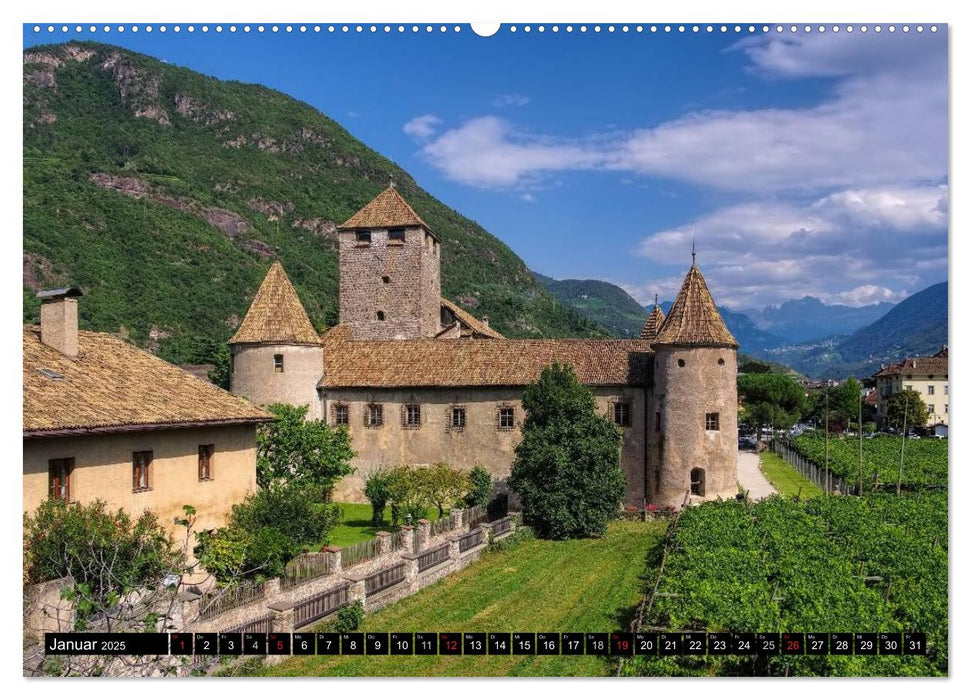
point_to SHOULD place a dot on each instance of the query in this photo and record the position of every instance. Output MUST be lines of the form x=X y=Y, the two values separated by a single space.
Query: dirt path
x=751 y=478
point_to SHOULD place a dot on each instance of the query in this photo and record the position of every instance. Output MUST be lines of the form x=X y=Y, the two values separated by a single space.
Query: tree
x=480 y=490
x=750 y=366
x=442 y=485
x=916 y=410
x=770 y=400
x=292 y=449
x=845 y=400
x=377 y=489
x=567 y=469
x=407 y=494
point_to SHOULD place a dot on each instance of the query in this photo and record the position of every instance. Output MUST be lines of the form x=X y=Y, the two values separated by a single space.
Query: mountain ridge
x=166 y=194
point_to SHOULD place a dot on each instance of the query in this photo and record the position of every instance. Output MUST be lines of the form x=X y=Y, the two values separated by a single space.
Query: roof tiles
x=694 y=319
x=276 y=315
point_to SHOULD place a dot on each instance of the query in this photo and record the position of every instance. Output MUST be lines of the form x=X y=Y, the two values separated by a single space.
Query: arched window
x=698 y=482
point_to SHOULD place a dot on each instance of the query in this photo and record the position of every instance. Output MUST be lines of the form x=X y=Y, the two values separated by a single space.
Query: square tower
x=390 y=272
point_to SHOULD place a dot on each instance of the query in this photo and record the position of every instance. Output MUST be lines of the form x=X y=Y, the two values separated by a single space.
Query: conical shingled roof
x=694 y=318
x=653 y=324
x=276 y=314
x=389 y=209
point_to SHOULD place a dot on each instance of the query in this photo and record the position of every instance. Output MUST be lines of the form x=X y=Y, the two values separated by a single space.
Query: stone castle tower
x=276 y=353
x=390 y=278
x=695 y=400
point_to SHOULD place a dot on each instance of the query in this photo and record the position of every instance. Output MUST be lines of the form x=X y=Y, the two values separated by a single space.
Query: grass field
x=534 y=586
x=785 y=478
x=356 y=526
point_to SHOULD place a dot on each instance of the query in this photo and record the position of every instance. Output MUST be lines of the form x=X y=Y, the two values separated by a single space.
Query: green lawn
x=356 y=525
x=534 y=586
x=785 y=478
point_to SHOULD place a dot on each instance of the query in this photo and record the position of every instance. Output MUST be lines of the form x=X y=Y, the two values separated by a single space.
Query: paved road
x=751 y=478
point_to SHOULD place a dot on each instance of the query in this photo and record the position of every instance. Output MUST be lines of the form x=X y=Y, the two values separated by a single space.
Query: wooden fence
x=471 y=539
x=262 y=624
x=385 y=578
x=305 y=569
x=475 y=516
x=219 y=601
x=824 y=479
x=320 y=605
x=356 y=553
x=432 y=557
x=501 y=526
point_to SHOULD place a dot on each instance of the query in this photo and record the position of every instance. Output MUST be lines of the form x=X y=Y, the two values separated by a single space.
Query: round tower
x=277 y=356
x=695 y=401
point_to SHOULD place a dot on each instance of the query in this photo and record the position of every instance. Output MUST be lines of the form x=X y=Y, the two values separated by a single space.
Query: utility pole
x=860 y=421
x=903 y=441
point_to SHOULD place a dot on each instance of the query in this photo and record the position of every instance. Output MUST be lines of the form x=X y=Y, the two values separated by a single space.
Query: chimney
x=59 y=319
x=485 y=321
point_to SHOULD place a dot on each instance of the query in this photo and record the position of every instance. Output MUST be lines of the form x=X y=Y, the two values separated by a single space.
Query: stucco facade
x=103 y=466
x=934 y=390
x=268 y=374
x=480 y=441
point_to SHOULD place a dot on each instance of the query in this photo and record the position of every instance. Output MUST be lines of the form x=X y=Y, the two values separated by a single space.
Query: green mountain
x=602 y=303
x=166 y=194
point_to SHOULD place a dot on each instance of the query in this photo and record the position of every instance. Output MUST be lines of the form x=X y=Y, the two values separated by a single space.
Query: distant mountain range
x=816 y=339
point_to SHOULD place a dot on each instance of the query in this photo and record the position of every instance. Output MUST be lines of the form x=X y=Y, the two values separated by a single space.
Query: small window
x=680 y=363
x=456 y=417
x=364 y=238
x=930 y=390
x=374 y=415
x=141 y=470
x=721 y=360
x=380 y=315
x=945 y=408
x=278 y=364
x=385 y=280
x=697 y=482
x=506 y=418
x=342 y=414
x=59 y=478
x=205 y=462
x=622 y=413
x=411 y=415
x=711 y=421
x=945 y=389
x=930 y=408
x=909 y=387
x=396 y=235
x=657 y=421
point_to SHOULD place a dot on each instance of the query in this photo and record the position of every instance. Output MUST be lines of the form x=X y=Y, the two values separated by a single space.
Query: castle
x=418 y=380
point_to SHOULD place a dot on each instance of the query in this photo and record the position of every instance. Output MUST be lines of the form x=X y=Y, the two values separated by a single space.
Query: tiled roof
x=936 y=365
x=276 y=315
x=653 y=323
x=694 y=318
x=485 y=362
x=112 y=386
x=470 y=322
x=389 y=209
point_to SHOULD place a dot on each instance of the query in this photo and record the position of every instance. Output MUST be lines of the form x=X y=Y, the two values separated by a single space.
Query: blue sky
x=801 y=163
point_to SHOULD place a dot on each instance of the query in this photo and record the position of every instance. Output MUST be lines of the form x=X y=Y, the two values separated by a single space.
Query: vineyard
x=925 y=461
x=831 y=564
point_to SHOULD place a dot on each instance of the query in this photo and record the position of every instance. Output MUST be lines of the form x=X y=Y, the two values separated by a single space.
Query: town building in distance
x=925 y=375
x=418 y=380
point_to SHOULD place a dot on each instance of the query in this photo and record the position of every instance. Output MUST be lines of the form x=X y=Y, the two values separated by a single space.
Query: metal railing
x=433 y=557
x=320 y=605
x=385 y=578
x=217 y=602
x=471 y=539
x=304 y=569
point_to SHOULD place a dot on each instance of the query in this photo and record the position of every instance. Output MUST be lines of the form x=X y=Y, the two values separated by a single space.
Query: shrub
x=407 y=494
x=350 y=617
x=377 y=490
x=292 y=510
x=440 y=485
x=567 y=469
x=480 y=491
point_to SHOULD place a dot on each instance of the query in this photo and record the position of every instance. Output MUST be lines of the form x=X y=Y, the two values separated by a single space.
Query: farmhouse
x=417 y=380
x=105 y=420
x=925 y=375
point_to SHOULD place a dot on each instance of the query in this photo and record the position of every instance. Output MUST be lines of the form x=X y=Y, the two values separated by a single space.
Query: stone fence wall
x=392 y=574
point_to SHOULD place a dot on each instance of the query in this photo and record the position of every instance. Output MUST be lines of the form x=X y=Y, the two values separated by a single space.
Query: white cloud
x=423 y=127
x=512 y=100
x=885 y=121
x=527 y=197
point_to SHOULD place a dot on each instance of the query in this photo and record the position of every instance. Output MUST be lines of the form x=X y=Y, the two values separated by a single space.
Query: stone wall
x=480 y=441
x=281 y=602
x=402 y=281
